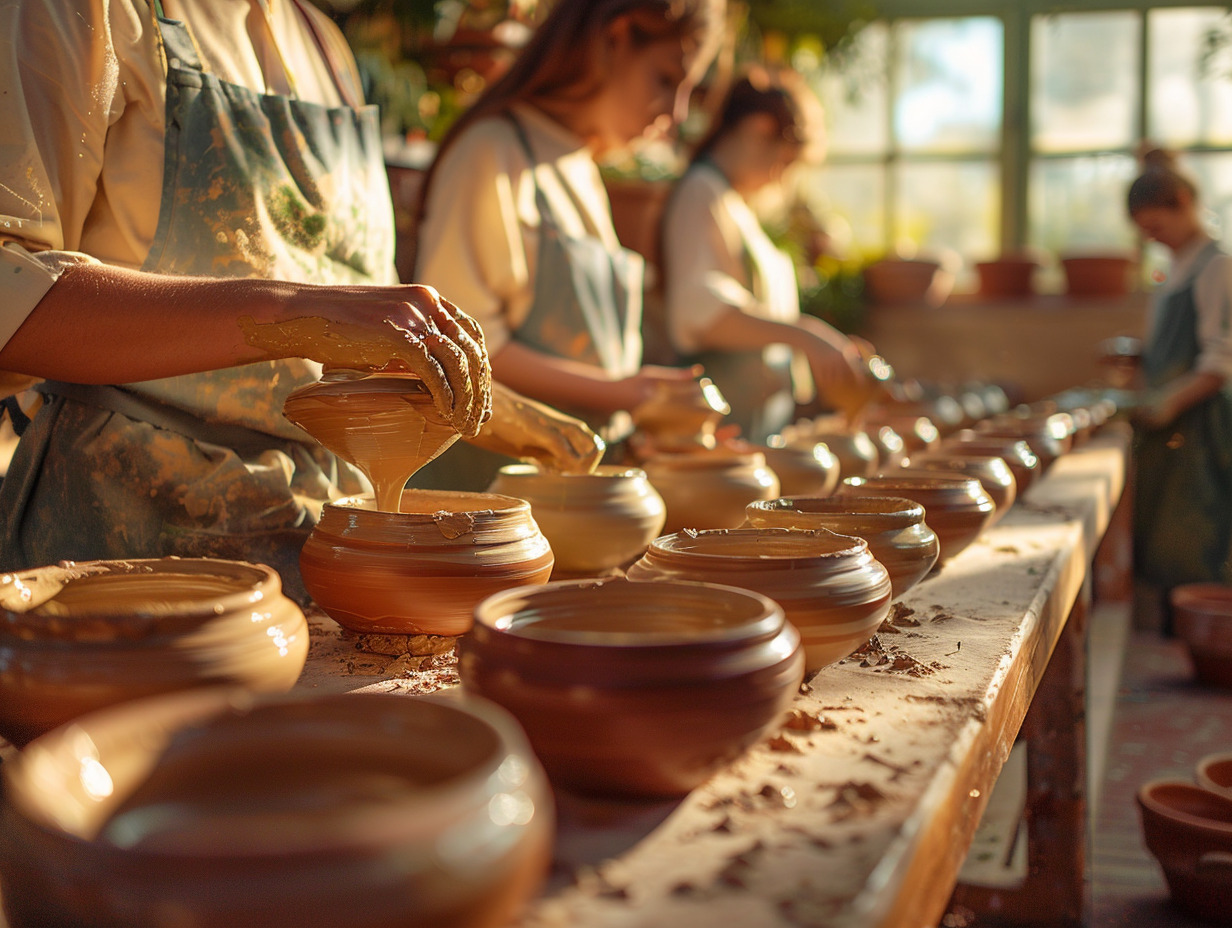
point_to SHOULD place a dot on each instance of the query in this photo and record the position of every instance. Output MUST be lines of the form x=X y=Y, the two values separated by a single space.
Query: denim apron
x=586 y=306
x=758 y=382
x=1183 y=499
x=254 y=185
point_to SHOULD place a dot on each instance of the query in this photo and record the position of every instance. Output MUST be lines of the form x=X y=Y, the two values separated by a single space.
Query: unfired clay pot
x=1017 y=454
x=991 y=471
x=594 y=522
x=710 y=489
x=422 y=570
x=804 y=468
x=635 y=689
x=956 y=508
x=218 y=809
x=81 y=636
x=1203 y=615
x=895 y=530
x=1189 y=830
x=1214 y=772
x=832 y=589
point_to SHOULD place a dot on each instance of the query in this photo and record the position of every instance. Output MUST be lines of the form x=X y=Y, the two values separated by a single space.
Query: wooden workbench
x=860 y=811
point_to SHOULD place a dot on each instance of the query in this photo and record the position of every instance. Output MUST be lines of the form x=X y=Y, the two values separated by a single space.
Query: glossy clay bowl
x=217 y=809
x=420 y=571
x=991 y=471
x=594 y=522
x=804 y=468
x=634 y=689
x=1189 y=831
x=1016 y=453
x=1203 y=616
x=956 y=508
x=81 y=636
x=895 y=529
x=831 y=588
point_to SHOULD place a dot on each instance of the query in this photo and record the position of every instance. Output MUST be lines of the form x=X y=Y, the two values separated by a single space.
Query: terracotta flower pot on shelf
x=710 y=489
x=1007 y=277
x=1098 y=275
x=902 y=281
x=1189 y=831
x=830 y=586
x=635 y=689
x=251 y=811
x=90 y=634
x=422 y=570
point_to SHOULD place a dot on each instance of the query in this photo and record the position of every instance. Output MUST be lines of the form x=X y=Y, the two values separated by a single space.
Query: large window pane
x=944 y=208
x=1189 y=103
x=1084 y=81
x=1213 y=175
x=850 y=199
x=1078 y=204
x=949 y=74
x=854 y=94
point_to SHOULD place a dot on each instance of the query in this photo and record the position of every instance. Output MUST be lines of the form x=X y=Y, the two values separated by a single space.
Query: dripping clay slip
x=80 y=636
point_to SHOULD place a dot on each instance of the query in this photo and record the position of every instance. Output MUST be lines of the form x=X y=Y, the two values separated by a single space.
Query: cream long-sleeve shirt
x=478 y=241
x=1212 y=300
x=82 y=101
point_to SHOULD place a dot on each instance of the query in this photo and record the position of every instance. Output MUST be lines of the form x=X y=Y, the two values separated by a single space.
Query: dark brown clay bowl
x=1214 y=772
x=894 y=528
x=634 y=689
x=84 y=635
x=1017 y=454
x=1203 y=617
x=956 y=508
x=1189 y=830
x=218 y=809
x=420 y=571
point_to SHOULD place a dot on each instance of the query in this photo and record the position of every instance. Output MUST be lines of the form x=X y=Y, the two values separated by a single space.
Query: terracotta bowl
x=805 y=468
x=81 y=636
x=1214 y=772
x=1006 y=278
x=956 y=508
x=422 y=570
x=1017 y=454
x=635 y=689
x=1203 y=614
x=594 y=522
x=710 y=489
x=832 y=589
x=895 y=530
x=1098 y=275
x=991 y=471
x=222 y=810
x=1189 y=830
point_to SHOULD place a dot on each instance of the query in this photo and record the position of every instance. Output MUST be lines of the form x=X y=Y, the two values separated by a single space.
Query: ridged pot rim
x=1148 y=800
x=603 y=476
x=810 y=547
x=255 y=587
x=946 y=487
x=148 y=725
x=483 y=518
x=898 y=511
x=497 y=616
x=1011 y=450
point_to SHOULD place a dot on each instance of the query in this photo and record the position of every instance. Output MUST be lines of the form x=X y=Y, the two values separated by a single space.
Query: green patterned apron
x=1183 y=499
x=587 y=306
x=255 y=185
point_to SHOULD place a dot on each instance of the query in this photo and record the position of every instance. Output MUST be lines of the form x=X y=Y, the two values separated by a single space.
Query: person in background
x=516 y=225
x=192 y=204
x=731 y=297
x=1183 y=441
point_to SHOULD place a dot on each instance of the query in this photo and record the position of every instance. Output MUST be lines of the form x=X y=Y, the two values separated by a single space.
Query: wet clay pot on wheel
x=594 y=522
x=634 y=689
x=422 y=570
x=1189 y=830
x=895 y=530
x=829 y=585
x=81 y=636
x=710 y=489
x=956 y=508
x=991 y=471
x=273 y=812
x=1203 y=616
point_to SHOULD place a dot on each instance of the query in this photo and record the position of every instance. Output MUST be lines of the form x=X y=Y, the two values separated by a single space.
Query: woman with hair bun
x=1183 y=526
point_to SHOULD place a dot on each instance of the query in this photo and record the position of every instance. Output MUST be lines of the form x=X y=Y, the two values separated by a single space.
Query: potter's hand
x=523 y=428
x=389 y=328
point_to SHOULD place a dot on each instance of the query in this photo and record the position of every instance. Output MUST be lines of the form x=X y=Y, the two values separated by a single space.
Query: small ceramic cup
x=84 y=635
x=634 y=689
x=594 y=522
x=832 y=589
x=420 y=571
x=895 y=529
x=248 y=812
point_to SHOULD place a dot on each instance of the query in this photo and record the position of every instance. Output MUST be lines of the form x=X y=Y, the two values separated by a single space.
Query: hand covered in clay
x=523 y=428
x=408 y=328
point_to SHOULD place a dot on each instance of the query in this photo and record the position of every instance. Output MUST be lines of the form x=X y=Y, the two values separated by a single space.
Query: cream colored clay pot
x=710 y=489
